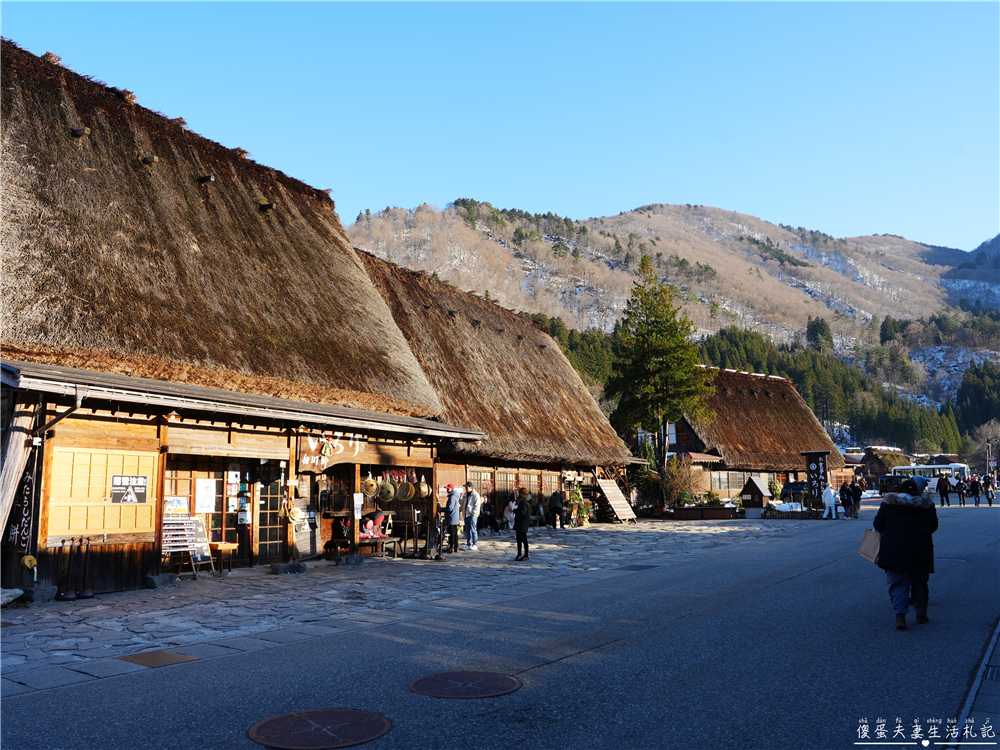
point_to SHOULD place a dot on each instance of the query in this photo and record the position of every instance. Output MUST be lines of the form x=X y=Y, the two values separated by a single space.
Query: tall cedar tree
x=655 y=371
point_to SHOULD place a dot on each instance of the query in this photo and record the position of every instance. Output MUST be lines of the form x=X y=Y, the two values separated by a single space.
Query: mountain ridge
x=581 y=270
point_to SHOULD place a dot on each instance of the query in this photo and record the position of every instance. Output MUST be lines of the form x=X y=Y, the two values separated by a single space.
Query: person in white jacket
x=830 y=501
x=471 y=505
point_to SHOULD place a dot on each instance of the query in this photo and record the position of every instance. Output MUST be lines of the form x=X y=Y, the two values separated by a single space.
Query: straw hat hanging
x=386 y=492
x=369 y=486
x=405 y=492
x=423 y=489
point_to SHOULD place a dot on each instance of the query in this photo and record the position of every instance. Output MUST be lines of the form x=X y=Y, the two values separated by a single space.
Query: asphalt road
x=783 y=643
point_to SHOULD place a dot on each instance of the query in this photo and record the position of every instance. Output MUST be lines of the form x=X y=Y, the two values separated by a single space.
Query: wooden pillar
x=355 y=524
x=162 y=432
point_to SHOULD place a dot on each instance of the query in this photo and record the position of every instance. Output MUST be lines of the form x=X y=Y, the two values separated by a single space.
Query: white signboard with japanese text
x=204 y=497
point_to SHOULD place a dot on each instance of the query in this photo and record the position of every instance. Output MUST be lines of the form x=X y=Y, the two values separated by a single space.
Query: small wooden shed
x=755 y=493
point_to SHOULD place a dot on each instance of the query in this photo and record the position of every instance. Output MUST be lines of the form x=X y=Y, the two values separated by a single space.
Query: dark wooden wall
x=113 y=567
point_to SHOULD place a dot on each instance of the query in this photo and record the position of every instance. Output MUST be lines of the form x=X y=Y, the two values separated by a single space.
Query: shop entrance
x=269 y=532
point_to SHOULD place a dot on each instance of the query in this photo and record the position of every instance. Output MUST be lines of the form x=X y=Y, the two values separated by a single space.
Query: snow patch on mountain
x=986 y=292
x=946 y=366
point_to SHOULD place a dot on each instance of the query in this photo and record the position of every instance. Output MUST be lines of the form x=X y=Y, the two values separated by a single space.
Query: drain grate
x=993 y=673
x=465 y=685
x=639 y=567
x=319 y=730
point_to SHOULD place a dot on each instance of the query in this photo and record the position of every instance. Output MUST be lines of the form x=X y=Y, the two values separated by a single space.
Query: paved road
x=776 y=639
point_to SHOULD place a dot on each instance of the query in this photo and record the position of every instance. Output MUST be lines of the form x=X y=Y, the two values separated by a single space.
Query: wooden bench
x=336 y=548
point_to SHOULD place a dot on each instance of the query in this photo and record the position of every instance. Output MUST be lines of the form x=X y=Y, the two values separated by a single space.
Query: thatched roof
x=108 y=259
x=888 y=459
x=762 y=423
x=496 y=372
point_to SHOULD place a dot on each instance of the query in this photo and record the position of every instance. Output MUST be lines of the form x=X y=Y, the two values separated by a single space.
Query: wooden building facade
x=113 y=457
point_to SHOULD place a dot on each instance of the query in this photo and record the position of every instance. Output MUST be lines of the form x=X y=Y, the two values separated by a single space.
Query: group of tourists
x=975 y=487
x=850 y=498
x=467 y=507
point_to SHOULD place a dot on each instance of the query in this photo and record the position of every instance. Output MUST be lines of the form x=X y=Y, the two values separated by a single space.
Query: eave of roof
x=702 y=458
x=108 y=387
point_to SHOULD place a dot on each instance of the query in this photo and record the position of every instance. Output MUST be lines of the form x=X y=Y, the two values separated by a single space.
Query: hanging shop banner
x=317 y=452
x=204 y=496
x=19 y=528
x=129 y=490
x=359 y=503
x=816 y=474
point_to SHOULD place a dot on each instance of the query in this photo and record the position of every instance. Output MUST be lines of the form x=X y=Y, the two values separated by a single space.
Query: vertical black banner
x=816 y=475
x=18 y=534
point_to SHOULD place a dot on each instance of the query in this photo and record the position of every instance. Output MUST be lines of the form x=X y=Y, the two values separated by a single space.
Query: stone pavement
x=59 y=643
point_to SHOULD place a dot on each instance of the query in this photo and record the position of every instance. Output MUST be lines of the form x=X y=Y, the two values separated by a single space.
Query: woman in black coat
x=522 y=519
x=907 y=520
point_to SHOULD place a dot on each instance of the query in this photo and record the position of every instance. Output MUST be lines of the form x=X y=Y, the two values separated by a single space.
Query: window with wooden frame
x=482 y=482
x=506 y=484
x=533 y=483
x=551 y=482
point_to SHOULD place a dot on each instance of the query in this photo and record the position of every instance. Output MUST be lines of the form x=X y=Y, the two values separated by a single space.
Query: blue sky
x=848 y=118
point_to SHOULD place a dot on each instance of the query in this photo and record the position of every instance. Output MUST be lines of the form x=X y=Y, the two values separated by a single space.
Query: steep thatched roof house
x=496 y=372
x=180 y=319
x=761 y=427
x=879 y=460
x=119 y=265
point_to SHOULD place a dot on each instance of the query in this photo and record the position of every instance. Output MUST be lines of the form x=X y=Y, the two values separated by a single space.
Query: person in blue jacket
x=907 y=521
x=453 y=516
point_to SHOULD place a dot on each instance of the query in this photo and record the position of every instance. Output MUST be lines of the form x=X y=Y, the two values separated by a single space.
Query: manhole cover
x=465 y=685
x=320 y=730
x=638 y=567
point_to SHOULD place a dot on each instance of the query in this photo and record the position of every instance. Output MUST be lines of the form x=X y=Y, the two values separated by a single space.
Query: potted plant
x=580 y=508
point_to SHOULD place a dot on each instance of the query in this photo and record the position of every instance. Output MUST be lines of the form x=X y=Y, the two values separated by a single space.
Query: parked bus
x=900 y=473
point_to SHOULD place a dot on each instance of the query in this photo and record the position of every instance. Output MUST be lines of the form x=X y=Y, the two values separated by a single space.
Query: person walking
x=907 y=520
x=856 y=496
x=556 y=510
x=453 y=516
x=471 y=505
x=988 y=488
x=975 y=489
x=943 y=487
x=961 y=488
x=846 y=499
x=830 y=501
x=522 y=519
